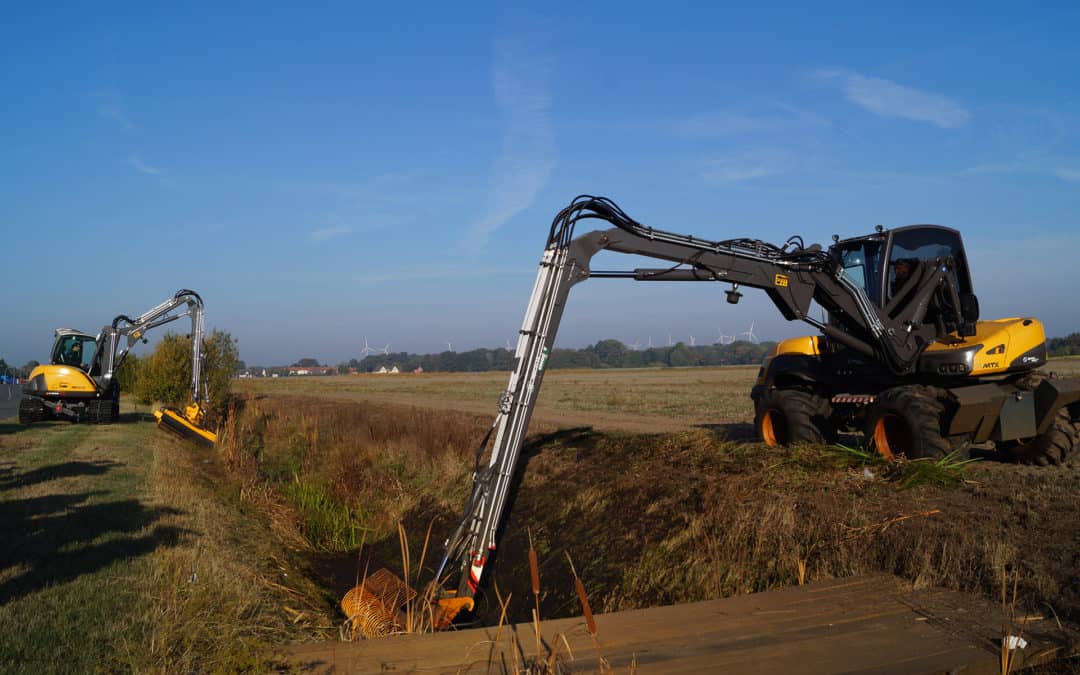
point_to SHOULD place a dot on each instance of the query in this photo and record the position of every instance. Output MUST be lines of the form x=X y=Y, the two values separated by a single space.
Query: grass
x=647 y=399
x=126 y=550
x=77 y=540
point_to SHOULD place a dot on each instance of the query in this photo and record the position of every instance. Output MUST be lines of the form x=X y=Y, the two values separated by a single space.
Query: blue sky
x=389 y=170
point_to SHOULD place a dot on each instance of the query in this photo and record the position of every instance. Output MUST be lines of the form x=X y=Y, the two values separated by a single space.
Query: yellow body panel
x=65 y=379
x=805 y=345
x=808 y=345
x=1003 y=341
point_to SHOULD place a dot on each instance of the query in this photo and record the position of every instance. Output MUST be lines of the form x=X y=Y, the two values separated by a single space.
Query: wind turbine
x=367 y=349
x=693 y=343
x=669 y=342
x=386 y=349
x=636 y=345
x=449 y=346
x=724 y=339
x=750 y=337
x=650 y=343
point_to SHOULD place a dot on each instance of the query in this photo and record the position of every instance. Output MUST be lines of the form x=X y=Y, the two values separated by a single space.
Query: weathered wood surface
x=872 y=624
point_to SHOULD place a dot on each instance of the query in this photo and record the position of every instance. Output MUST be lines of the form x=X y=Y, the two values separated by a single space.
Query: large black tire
x=30 y=410
x=911 y=420
x=788 y=416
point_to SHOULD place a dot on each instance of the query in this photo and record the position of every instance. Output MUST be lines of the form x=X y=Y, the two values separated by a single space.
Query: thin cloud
x=889 y=99
x=324 y=233
x=1070 y=175
x=720 y=123
x=143 y=167
x=528 y=154
x=746 y=167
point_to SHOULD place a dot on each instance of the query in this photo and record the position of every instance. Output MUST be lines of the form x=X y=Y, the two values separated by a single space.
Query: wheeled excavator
x=79 y=383
x=901 y=356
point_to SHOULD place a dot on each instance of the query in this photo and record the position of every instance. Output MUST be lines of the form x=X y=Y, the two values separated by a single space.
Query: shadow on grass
x=735 y=431
x=9 y=479
x=55 y=538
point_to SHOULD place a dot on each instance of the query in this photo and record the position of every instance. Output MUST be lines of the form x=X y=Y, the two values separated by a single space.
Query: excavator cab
x=74 y=349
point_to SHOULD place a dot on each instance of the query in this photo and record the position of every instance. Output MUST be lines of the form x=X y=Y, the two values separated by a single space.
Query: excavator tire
x=30 y=411
x=788 y=416
x=909 y=420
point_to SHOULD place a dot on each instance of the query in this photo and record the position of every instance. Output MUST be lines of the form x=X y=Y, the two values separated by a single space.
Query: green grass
x=77 y=539
x=326 y=523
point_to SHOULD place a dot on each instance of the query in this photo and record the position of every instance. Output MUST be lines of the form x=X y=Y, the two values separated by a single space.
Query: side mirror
x=969 y=311
x=969 y=306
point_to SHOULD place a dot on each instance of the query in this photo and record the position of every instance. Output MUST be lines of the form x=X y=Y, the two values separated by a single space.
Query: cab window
x=860 y=265
x=910 y=247
x=75 y=350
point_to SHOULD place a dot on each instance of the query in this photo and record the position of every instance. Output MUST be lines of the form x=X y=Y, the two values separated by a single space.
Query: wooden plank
x=874 y=624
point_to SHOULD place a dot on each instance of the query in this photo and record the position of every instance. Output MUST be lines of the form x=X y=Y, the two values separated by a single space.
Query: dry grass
x=651 y=399
x=224 y=601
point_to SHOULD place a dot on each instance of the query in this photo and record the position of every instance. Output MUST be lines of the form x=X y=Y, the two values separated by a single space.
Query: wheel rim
x=891 y=436
x=772 y=424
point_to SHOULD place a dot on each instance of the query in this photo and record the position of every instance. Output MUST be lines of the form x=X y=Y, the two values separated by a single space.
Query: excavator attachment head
x=382 y=604
x=172 y=420
x=374 y=607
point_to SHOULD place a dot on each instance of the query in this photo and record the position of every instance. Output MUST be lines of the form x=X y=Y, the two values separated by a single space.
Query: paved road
x=9 y=400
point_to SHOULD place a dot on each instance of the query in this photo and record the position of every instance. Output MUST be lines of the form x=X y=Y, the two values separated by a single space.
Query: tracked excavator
x=79 y=383
x=901 y=356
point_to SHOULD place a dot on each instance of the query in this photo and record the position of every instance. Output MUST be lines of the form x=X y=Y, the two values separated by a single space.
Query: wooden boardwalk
x=872 y=624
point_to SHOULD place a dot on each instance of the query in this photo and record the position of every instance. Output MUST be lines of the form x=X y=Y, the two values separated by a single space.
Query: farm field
x=645 y=400
x=638 y=400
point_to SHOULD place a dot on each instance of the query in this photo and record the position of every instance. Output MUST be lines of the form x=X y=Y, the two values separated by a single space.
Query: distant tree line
x=603 y=354
x=1064 y=346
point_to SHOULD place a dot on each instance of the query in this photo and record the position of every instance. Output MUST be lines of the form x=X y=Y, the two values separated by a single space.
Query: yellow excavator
x=79 y=383
x=903 y=356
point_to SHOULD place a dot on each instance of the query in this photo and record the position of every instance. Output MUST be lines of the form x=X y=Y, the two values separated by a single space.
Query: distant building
x=312 y=370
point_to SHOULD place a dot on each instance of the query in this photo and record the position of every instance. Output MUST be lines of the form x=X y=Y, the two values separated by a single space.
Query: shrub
x=165 y=375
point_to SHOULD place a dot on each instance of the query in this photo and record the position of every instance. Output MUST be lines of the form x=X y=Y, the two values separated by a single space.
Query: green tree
x=166 y=375
x=25 y=371
x=129 y=372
